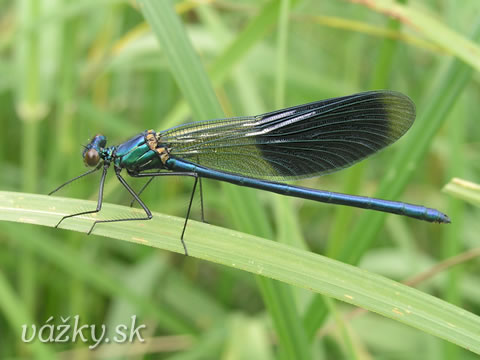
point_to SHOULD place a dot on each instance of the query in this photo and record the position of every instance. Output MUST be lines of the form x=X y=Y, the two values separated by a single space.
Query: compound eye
x=91 y=157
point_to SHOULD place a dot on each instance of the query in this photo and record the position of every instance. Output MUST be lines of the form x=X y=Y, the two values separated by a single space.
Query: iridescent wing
x=298 y=142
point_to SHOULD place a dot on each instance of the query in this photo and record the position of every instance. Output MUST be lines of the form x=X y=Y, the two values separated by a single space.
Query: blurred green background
x=70 y=70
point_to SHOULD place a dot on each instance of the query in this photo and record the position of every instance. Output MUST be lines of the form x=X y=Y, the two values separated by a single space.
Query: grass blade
x=267 y=258
x=465 y=190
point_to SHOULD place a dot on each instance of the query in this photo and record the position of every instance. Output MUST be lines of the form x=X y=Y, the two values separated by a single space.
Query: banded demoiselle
x=258 y=151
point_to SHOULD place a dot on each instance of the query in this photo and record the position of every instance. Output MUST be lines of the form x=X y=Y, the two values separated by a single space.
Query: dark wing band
x=298 y=142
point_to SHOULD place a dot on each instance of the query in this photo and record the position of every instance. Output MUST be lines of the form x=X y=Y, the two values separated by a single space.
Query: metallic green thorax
x=135 y=155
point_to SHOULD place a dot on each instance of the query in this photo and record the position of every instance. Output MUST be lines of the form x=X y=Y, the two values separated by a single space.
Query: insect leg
x=76 y=178
x=141 y=190
x=175 y=174
x=135 y=196
x=100 y=193
x=192 y=174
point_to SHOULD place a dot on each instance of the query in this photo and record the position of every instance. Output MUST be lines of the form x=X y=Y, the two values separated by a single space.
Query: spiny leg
x=76 y=178
x=100 y=194
x=192 y=174
x=153 y=175
x=188 y=215
x=141 y=190
x=135 y=196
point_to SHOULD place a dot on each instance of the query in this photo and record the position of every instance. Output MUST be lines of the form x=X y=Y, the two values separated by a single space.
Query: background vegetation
x=71 y=69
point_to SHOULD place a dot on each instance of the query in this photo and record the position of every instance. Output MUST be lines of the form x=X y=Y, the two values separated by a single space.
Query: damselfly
x=258 y=151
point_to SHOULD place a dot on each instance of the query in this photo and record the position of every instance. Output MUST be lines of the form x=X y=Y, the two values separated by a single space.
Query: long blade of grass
x=183 y=61
x=263 y=257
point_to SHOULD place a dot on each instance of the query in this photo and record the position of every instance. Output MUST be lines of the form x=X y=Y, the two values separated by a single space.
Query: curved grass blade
x=267 y=258
x=463 y=189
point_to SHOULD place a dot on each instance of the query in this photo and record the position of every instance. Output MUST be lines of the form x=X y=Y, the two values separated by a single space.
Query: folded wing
x=298 y=142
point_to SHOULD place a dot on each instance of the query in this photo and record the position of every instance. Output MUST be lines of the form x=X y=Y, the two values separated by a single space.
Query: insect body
x=260 y=151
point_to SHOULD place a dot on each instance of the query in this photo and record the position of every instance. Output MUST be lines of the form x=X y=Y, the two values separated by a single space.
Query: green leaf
x=262 y=257
x=463 y=189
